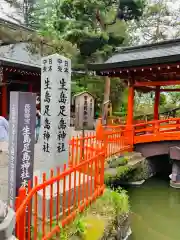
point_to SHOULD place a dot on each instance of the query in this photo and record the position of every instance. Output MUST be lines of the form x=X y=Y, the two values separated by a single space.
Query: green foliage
x=114 y=202
x=80 y=226
x=103 y=213
x=63 y=234
x=119 y=114
x=77 y=228
x=83 y=23
x=120 y=174
x=95 y=85
x=163 y=99
x=140 y=173
x=132 y=9
x=87 y=23
x=120 y=201
x=121 y=161
x=144 y=104
x=86 y=31
x=123 y=171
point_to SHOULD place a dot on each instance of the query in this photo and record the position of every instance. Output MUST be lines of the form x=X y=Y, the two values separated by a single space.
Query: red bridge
x=155 y=131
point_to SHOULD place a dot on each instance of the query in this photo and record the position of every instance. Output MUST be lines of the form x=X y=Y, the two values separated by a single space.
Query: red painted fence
x=155 y=131
x=57 y=200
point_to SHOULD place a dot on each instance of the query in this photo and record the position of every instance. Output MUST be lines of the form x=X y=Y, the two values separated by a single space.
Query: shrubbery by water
x=101 y=219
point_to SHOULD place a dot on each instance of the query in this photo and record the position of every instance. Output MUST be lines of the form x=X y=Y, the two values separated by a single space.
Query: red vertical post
x=4 y=101
x=129 y=134
x=130 y=105
x=156 y=103
x=30 y=86
x=21 y=222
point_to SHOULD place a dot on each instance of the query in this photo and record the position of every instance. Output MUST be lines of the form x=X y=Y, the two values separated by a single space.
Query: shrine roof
x=17 y=55
x=11 y=33
x=84 y=92
x=164 y=52
x=13 y=51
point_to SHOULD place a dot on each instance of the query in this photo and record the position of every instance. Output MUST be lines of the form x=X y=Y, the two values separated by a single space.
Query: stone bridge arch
x=156 y=148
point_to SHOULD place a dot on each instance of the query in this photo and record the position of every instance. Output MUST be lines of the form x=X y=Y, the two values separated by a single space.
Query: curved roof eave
x=141 y=56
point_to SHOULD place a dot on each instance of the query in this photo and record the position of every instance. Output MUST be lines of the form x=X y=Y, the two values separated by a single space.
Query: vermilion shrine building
x=19 y=69
x=144 y=68
x=19 y=72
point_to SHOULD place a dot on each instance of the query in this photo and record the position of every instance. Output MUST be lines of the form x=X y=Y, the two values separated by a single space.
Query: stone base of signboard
x=77 y=190
x=12 y=238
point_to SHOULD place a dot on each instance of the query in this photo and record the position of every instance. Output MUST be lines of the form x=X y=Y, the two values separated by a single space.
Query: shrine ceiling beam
x=145 y=89
x=170 y=90
x=159 y=83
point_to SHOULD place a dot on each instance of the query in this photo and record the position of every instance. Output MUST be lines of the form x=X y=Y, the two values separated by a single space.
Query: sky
x=8 y=13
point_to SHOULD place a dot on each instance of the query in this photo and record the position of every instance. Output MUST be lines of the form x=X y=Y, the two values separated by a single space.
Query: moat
x=155 y=210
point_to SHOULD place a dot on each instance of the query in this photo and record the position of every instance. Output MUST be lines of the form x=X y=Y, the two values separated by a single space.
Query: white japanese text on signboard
x=12 y=158
x=55 y=109
x=25 y=176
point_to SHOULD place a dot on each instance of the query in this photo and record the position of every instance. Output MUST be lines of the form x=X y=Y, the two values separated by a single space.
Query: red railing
x=51 y=203
x=159 y=130
x=118 y=139
x=55 y=202
x=122 y=138
x=82 y=148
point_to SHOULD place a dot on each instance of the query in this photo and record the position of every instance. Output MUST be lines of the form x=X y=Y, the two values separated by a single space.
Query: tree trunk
x=107 y=79
x=106 y=100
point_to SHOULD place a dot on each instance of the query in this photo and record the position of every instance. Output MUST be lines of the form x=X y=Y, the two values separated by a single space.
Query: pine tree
x=96 y=27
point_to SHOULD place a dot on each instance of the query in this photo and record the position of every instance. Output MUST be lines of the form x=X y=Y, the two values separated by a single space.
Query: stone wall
x=118 y=230
x=144 y=171
x=148 y=168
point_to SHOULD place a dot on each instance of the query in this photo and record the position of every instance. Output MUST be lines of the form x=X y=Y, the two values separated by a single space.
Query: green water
x=155 y=211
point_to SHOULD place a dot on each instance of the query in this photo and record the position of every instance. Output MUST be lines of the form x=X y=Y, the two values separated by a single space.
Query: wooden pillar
x=4 y=102
x=130 y=109
x=156 y=103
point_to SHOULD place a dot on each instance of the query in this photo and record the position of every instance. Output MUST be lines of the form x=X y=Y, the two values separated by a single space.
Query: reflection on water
x=155 y=211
